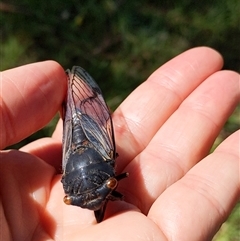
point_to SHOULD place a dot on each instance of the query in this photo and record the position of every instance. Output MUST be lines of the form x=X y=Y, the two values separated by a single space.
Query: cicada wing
x=99 y=136
x=94 y=114
x=67 y=142
x=68 y=109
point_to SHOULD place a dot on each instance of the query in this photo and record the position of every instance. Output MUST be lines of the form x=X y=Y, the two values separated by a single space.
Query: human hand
x=163 y=130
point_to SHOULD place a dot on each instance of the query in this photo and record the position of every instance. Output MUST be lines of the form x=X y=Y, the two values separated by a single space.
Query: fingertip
x=31 y=95
x=209 y=52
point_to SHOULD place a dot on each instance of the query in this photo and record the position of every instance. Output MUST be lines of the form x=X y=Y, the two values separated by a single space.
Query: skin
x=163 y=130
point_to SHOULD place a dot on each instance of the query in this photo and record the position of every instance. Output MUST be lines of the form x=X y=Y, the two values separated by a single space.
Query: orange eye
x=112 y=183
x=67 y=200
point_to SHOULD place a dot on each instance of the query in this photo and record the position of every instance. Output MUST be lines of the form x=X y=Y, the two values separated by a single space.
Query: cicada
x=89 y=178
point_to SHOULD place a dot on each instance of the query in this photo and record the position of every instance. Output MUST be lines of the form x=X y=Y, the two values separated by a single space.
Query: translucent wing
x=67 y=129
x=85 y=104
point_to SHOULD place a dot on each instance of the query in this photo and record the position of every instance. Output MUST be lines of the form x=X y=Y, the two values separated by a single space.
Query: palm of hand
x=163 y=130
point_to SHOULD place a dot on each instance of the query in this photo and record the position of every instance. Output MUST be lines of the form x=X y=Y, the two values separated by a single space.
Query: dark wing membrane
x=67 y=127
x=67 y=142
x=92 y=111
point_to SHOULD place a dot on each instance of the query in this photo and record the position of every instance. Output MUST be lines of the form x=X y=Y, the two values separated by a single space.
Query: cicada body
x=89 y=178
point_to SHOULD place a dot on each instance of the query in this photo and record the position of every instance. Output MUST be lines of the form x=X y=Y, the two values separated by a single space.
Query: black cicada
x=89 y=178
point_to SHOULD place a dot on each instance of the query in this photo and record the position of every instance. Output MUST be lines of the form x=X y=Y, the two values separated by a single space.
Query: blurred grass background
x=120 y=43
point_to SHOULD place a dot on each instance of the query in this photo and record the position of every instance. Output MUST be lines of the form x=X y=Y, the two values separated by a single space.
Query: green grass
x=230 y=230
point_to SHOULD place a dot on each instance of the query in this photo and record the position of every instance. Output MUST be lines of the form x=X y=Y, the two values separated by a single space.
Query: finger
x=57 y=134
x=139 y=117
x=24 y=190
x=47 y=149
x=184 y=139
x=208 y=192
x=30 y=96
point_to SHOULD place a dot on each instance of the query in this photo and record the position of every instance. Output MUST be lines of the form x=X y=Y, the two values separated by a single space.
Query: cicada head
x=92 y=199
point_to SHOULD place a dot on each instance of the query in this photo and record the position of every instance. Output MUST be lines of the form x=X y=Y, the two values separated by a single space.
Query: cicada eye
x=112 y=183
x=67 y=200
